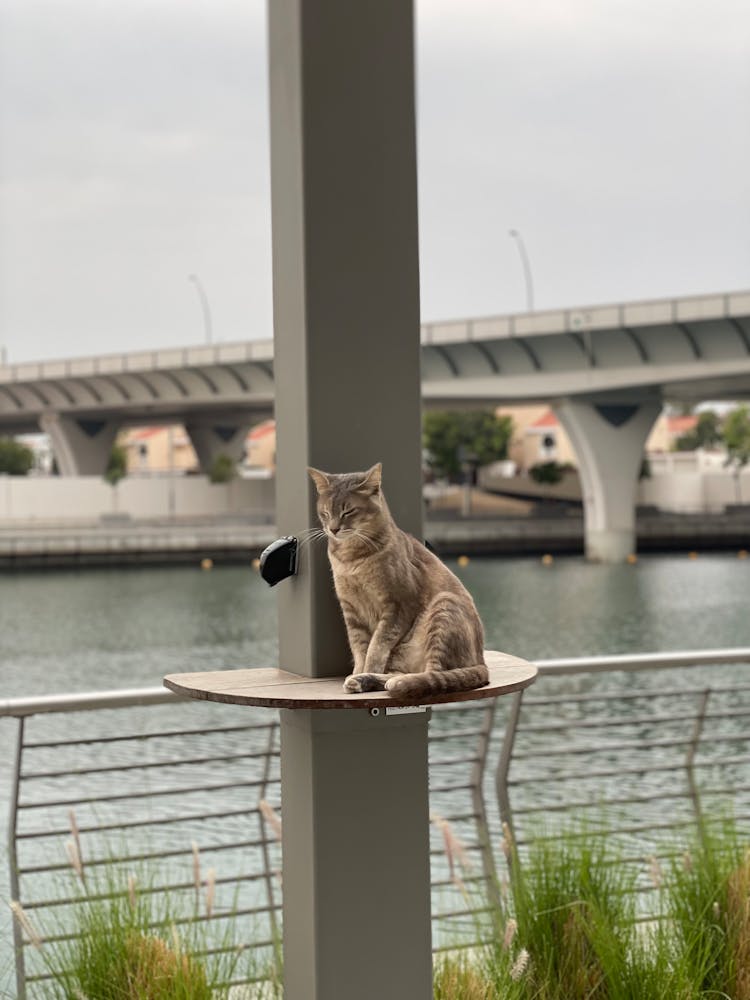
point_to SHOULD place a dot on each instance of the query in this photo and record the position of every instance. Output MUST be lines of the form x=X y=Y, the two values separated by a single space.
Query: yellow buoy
x=256 y=563
x=547 y=559
x=692 y=555
x=742 y=554
x=207 y=564
x=463 y=560
x=632 y=558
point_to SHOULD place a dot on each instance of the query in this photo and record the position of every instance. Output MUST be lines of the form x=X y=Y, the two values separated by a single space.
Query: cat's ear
x=321 y=480
x=371 y=482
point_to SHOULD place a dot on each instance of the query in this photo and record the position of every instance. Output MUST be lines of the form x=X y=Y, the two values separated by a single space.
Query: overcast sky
x=613 y=134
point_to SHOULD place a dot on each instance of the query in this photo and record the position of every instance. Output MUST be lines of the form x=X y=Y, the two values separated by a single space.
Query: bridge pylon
x=81 y=446
x=608 y=437
x=217 y=437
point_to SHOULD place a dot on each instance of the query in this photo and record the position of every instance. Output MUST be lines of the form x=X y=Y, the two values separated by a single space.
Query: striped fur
x=413 y=627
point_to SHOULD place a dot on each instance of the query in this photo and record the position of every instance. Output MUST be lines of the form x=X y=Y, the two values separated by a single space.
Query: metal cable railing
x=643 y=748
x=110 y=782
x=107 y=790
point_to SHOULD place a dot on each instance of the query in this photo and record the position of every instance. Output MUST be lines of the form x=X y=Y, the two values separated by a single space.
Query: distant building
x=260 y=448
x=538 y=436
x=667 y=429
x=154 y=450
x=158 y=449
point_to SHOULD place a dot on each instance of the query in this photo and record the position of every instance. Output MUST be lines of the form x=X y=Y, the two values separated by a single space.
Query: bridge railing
x=116 y=789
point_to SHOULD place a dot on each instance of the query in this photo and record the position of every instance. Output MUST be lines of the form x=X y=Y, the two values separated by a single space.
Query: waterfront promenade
x=238 y=539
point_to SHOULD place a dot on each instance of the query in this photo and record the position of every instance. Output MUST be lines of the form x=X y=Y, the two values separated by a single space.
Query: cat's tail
x=430 y=682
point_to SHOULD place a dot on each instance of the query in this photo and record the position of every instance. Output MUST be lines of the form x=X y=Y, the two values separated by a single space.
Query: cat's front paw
x=359 y=683
x=400 y=686
x=393 y=684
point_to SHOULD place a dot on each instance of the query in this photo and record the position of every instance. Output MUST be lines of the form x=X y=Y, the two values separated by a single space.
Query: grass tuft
x=708 y=900
x=573 y=930
x=129 y=942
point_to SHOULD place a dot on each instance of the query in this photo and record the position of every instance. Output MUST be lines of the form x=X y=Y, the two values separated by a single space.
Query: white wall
x=69 y=500
x=681 y=482
x=681 y=486
x=692 y=482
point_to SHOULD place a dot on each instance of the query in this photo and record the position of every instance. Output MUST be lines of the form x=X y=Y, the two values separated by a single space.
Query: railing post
x=480 y=808
x=503 y=764
x=13 y=874
x=268 y=874
x=690 y=757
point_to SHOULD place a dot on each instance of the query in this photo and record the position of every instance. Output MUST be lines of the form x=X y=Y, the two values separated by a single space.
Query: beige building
x=261 y=446
x=667 y=429
x=158 y=449
x=538 y=435
x=161 y=449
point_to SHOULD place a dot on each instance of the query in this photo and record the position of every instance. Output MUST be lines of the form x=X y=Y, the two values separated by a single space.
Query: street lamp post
x=204 y=306
x=515 y=235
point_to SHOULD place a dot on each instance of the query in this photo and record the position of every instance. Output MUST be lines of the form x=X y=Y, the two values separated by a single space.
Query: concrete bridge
x=606 y=370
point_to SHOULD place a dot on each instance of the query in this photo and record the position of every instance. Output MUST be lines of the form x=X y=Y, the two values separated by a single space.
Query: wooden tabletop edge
x=266 y=692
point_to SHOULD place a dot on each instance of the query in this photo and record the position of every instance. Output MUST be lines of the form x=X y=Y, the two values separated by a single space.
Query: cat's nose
x=334 y=526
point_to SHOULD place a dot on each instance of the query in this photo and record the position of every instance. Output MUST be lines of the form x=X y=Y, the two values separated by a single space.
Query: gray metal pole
x=526 y=265
x=346 y=327
x=205 y=308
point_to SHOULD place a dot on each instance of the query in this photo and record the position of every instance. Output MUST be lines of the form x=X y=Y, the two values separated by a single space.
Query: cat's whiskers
x=311 y=535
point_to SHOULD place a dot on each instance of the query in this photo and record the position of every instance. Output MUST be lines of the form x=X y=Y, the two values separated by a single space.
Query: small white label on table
x=405 y=709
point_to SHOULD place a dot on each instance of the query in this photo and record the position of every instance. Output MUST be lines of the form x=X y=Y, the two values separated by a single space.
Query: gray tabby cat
x=413 y=628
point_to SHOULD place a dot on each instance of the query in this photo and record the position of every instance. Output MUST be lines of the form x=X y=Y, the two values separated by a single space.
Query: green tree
x=117 y=466
x=223 y=469
x=705 y=434
x=736 y=435
x=455 y=437
x=15 y=458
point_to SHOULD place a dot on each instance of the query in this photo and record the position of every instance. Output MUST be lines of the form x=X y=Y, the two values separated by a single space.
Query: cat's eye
x=348 y=512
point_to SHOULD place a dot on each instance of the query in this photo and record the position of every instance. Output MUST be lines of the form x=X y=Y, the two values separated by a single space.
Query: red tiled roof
x=267 y=427
x=547 y=419
x=139 y=433
x=679 y=425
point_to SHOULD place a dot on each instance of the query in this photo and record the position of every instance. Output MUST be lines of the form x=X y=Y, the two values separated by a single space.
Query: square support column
x=356 y=856
x=346 y=281
x=348 y=395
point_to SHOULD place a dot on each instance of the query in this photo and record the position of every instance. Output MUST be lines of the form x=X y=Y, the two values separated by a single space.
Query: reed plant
x=470 y=977
x=130 y=946
x=572 y=930
x=574 y=905
x=707 y=895
x=133 y=941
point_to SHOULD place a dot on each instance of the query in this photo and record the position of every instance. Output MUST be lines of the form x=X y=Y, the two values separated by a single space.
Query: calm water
x=87 y=630
x=74 y=631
